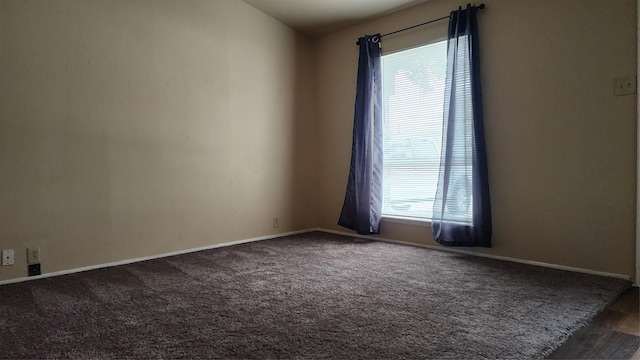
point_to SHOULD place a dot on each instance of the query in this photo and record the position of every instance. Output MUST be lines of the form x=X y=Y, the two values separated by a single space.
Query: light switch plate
x=624 y=86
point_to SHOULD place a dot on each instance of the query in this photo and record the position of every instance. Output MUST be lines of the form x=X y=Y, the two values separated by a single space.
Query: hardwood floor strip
x=613 y=334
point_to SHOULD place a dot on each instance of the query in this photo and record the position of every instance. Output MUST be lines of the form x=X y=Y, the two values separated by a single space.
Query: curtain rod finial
x=481 y=6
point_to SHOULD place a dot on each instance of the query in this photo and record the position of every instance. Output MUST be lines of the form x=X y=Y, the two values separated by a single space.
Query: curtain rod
x=481 y=6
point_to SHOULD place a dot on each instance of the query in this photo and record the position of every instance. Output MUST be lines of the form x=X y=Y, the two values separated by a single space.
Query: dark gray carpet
x=311 y=296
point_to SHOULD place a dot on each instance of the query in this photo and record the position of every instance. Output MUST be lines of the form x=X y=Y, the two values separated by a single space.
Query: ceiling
x=320 y=17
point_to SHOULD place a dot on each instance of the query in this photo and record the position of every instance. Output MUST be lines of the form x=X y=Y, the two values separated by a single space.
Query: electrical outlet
x=33 y=255
x=7 y=257
x=276 y=222
x=624 y=86
x=34 y=269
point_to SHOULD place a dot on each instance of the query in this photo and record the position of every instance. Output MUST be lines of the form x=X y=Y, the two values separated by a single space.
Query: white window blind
x=413 y=100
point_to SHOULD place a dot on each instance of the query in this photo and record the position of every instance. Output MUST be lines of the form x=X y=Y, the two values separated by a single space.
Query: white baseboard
x=267 y=237
x=129 y=261
x=472 y=253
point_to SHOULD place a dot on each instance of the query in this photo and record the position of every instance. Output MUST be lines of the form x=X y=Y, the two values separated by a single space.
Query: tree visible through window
x=413 y=100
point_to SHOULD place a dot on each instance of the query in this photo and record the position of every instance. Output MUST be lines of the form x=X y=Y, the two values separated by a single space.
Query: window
x=413 y=100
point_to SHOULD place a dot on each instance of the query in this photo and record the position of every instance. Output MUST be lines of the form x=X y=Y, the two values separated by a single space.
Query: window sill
x=407 y=220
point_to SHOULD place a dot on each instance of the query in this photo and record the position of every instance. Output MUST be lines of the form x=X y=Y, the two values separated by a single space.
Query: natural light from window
x=413 y=99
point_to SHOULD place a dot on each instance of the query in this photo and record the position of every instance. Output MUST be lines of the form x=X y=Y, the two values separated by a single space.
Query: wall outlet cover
x=33 y=255
x=624 y=86
x=8 y=257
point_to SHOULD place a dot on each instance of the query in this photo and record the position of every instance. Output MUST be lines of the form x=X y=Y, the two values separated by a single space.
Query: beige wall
x=132 y=128
x=561 y=147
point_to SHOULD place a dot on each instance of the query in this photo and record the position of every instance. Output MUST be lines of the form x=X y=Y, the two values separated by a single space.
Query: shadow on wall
x=304 y=191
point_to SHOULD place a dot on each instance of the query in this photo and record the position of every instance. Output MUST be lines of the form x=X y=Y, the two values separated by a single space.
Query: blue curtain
x=362 y=207
x=462 y=209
